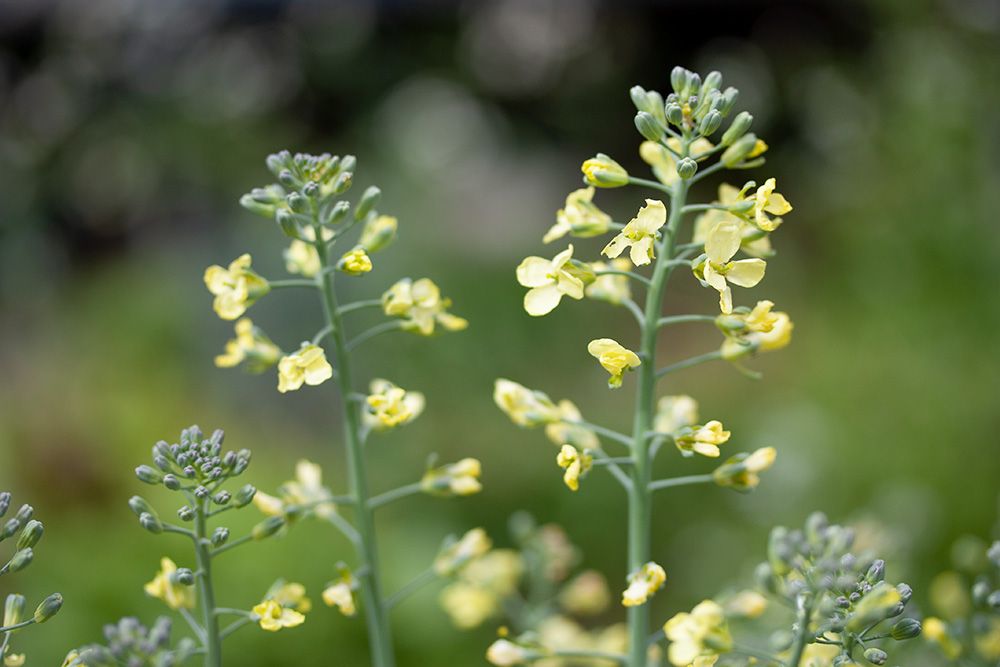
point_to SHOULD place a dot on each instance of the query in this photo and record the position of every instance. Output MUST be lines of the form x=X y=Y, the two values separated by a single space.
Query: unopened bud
x=49 y=607
x=728 y=101
x=278 y=161
x=297 y=203
x=286 y=177
x=675 y=115
x=268 y=527
x=244 y=495
x=25 y=513
x=713 y=81
x=686 y=168
x=222 y=498
x=994 y=601
x=343 y=182
x=739 y=150
x=908 y=628
x=335 y=212
x=876 y=572
x=740 y=126
x=905 y=592
x=678 y=79
x=311 y=189
x=21 y=559
x=603 y=172
x=648 y=126
x=30 y=535
x=171 y=482
x=710 y=123
x=186 y=514
x=4 y=502
x=13 y=612
x=286 y=221
x=150 y=523
x=220 y=536
x=876 y=656
x=184 y=576
x=148 y=474
x=378 y=233
x=367 y=202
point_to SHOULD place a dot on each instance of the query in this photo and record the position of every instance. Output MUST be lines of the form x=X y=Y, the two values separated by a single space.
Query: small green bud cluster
x=195 y=464
x=131 y=643
x=846 y=595
x=308 y=190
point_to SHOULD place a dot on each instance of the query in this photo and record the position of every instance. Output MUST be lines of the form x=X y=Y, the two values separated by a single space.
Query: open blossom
x=340 y=594
x=580 y=217
x=699 y=634
x=390 y=406
x=643 y=583
x=576 y=463
x=615 y=359
x=251 y=346
x=308 y=365
x=718 y=270
x=741 y=471
x=704 y=440
x=166 y=587
x=235 y=288
x=550 y=279
x=305 y=493
x=767 y=201
x=421 y=305
x=755 y=241
x=272 y=615
x=640 y=233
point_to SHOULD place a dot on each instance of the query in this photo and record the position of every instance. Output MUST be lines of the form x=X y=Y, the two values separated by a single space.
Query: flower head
x=640 y=233
x=741 y=471
x=421 y=305
x=455 y=479
x=355 y=262
x=576 y=463
x=166 y=587
x=579 y=217
x=700 y=633
x=525 y=407
x=615 y=359
x=718 y=271
x=250 y=345
x=768 y=201
x=235 y=288
x=390 y=406
x=308 y=365
x=611 y=287
x=643 y=583
x=550 y=279
x=704 y=440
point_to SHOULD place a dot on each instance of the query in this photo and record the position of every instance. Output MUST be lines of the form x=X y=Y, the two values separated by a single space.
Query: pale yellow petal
x=746 y=272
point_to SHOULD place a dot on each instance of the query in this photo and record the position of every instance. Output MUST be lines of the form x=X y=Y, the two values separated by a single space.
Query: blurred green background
x=129 y=130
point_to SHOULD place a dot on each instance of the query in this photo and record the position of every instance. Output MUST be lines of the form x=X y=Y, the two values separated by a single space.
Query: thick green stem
x=210 y=622
x=372 y=597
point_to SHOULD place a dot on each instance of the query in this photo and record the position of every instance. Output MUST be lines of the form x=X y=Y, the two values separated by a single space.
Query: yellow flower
x=166 y=587
x=700 y=633
x=290 y=596
x=755 y=242
x=704 y=440
x=662 y=161
x=456 y=554
x=778 y=337
x=273 y=616
x=305 y=493
x=468 y=605
x=604 y=172
x=550 y=279
x=611 y=287
x=355 y=262
x=390 y=406
x=579 y=217
x=566 y=431
x=740 y=471
x=640 y=233
x=235 y=288
x=340 y=593
x=505 y=653
x=421 y=304
x=12 y=659
x=586 y=595
x=308 y=365
x=615 y=359
x=378 y=233
x=455 y=479
x=768 y=201
x=674 y=413
x=251 y=346
x=525 y=407
x=577 y=464
x=718 y=271
x=642 y=584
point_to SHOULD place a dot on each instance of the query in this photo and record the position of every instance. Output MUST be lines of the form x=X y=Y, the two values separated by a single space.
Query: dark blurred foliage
x=128 y=131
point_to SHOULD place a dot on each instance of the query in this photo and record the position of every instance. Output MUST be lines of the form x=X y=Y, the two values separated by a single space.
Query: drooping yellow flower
x=525 y=407
x=235 y=288
x=340 y=593
x=755 y=241
x=271 y=615
x=640 y=233
x=421 y=305
x=568 y=431
x=550 y=279
x=505 y=653
x=604 y=172
x=577 y=464
x=674 y=413
x=704 y=440
x=611 y=287
x=390 y=406
x=474 y=543
x=615 y=359
x=768 y=201
x=700 y=633
x=378 y=233
x=642 y=584
x=251 y=346
x=455 y=479
x=308 y=365
x=580 y=217
x=166 y=587
x=719 y=271
x=741 y=471
x=778 y=337
x=355 y=262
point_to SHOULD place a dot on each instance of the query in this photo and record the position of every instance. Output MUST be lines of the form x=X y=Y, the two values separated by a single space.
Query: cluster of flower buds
x=30 y=533
x=129 y=642
x=842 y=599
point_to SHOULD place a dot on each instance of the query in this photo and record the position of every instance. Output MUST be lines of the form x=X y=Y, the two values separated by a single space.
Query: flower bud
x=9 y=528
x=908 y=628
x=678 y=79
x=876 y=572
x=268 y=527
x=876 y=656
x=648 y=126
x=30 y=535
x=993 y=553
x=367 y=202
x=222 y=497
x=4 y=502
x=25 y=513
x=171 y=482
x=13 y=612
x=148 y=474
x=286 y=177
x=343 y=182
x=162 y=463
x=244 y=495
x=728 y=101
x=674 y=113
x=184 y=576
x=297 y=203
x=276 y=162
x=220 y=536
x=740 y=126
x=286 y=221
x=250 y=203
x=603 y=172
x=150 y=523
x=186 y=514
x=710 y=123
x=686 y=168
x=334 y=212
x=739 y=150
x=49 y=607
x=378 y=233
x=21 y=559
x=348 y=163
x=905 y=592
x=994 y=601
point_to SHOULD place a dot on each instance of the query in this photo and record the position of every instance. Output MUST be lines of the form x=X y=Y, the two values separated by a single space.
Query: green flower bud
x=728 y=101
x=186 y=514
x=713 y=81
x=148 y=474
x=288 y=178
x=649 y=101
x=343 y=182
x=706 y=104
x=905 y=592
x=648 y=126
x=311 y=189
x=843 y=661
x=348 y=163
x=993 y=553
x=994 y=601
x=691 y=87
x=184 y=576
x=162 y=462
x=30 y=535
x=334 y=212
x=908 y=628
x=21 y=559
x=674 y=113
x=139 y=505
x=220 y=536
x=367 y=202
x=150 y=523
x=249 y=203
x=764 y=577
x=13 y=611
x=740 y=125
x=171 y=482
x=678 y=79
x=4 y=502
x=268 y=527
x=276 y=162
x=739 y=150
x=686 y=168
x=244 y=495
x=710 y=123
x=876 y=656
x=222 y=498
x=49 y=607
x=25 y=513
x=11 y=527
x=286 y=221
x=876 y=572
